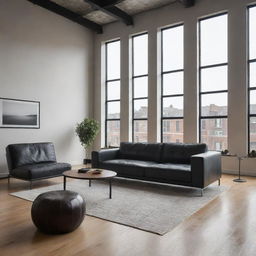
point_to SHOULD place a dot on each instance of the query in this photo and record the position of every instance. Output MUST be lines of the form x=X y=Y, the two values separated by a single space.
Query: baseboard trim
x=4 y=175
x=243 y=173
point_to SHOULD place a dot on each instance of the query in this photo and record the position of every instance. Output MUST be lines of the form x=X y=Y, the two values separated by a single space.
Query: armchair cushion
x=41 y=170
x=30 y=153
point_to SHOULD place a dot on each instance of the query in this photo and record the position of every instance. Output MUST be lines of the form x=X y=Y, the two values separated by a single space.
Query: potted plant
x=87 y=130
x=225 y=152
x=252 y=154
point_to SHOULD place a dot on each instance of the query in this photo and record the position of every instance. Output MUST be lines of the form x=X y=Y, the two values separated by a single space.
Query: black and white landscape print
x=19 y=113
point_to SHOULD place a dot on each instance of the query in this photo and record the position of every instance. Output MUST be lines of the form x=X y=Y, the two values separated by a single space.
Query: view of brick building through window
x=253 y=131
x=172 y=76
x=213 y=81
x=113 y=88
x=213 y=131
x=140 y=88
x=252 y=78
x=213 y=85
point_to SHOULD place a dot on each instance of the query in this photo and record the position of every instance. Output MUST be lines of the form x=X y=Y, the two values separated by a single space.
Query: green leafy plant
x=224 y=152
x=252 y=153
x=87 y=131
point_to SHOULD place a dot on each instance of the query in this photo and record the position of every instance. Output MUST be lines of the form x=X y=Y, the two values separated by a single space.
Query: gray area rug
x=152 y=207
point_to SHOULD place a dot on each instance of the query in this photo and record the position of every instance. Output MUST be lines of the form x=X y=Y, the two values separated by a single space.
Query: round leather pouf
x=57 y=212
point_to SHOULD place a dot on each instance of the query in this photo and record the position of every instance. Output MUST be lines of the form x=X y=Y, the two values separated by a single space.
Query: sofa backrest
x=140 y=151
x=181 y=153
x=30 y=153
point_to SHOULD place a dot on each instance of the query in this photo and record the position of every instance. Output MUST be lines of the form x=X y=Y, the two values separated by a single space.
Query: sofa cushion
x=127 y=167
x=42 y=170
x=140 y=151
x=169 y=172
x=32 y=153
x=181 y=153
x=131 y=163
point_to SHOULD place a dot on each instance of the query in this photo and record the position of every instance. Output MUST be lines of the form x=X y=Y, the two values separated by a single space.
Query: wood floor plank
x=226 y=226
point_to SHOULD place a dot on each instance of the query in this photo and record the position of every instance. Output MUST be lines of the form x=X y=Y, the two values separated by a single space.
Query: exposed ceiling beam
x=111 y=10
x=51 y=6
x=111 y=2
x=188 y=3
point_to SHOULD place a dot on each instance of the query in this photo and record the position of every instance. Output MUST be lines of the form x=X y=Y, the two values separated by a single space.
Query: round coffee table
x=104 y=175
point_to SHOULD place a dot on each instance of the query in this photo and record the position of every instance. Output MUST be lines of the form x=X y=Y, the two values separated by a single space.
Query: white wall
x=47 y=58
x=151 y=22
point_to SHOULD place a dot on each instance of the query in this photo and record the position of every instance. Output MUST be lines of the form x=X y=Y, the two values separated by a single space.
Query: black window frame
x=163 y=118
x=200 y=68
x=250 y=89
x=134 y=119
x=106 y=92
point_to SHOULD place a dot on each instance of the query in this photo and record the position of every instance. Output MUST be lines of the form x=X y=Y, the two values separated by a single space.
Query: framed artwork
x=16 y=113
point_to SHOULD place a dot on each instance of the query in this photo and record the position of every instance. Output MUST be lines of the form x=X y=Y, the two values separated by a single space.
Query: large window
x=252 y=78
x=213 y=82
x=140 y=87
x=112 y=94
x=172 y=84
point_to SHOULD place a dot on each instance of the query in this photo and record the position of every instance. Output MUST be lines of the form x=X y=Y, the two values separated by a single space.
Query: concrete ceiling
x=131 y=7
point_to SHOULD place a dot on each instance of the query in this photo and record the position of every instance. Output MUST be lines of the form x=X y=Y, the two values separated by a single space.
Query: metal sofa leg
x=219 y=182
x=202 y=191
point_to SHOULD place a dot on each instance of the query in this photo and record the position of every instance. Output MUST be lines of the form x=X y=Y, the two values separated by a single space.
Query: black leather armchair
x=33 y=161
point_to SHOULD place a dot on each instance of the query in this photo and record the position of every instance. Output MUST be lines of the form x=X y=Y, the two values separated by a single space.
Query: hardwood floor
x=226 y=226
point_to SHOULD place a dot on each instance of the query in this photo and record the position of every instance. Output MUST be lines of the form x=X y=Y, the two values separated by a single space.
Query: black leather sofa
x=175 y=163
x=33 y=161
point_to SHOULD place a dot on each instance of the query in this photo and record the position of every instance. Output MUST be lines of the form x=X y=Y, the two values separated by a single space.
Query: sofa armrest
x=103 y=155
x=205 y=168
